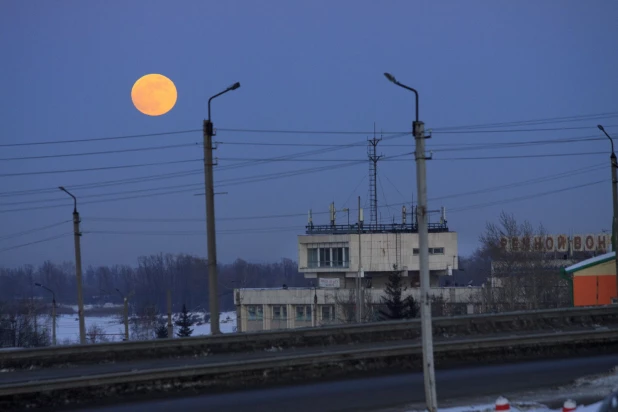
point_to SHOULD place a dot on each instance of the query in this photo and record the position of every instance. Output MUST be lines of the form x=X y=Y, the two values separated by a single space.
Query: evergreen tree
x=396 y=306
x=184 y=323
x=161 y=331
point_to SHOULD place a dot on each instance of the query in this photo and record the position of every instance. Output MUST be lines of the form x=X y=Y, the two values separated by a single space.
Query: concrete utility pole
x=210 y=218
x=53 y=311
x=359 y=306
x=78 y=269
x=421 y=182
x=170 y=327
x=614 y=166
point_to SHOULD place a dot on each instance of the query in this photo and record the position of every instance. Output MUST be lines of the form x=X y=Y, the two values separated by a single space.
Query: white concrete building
x=329 y=254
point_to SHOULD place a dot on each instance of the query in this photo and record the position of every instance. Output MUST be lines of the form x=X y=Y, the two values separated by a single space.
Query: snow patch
x=515 y=407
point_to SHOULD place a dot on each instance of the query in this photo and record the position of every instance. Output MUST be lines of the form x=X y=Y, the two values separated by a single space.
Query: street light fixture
x=78 y=268
x=53 y=311
x=614 y=166
x=210 y=215
x=421 y=185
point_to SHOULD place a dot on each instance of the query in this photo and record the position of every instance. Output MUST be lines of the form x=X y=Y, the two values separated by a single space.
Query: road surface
x=371 y=394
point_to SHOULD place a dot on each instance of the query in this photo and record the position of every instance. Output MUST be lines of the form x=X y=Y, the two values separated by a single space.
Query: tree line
x=147 y=283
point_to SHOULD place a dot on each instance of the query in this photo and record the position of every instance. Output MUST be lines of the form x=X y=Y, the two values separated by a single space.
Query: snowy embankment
x=112 y=328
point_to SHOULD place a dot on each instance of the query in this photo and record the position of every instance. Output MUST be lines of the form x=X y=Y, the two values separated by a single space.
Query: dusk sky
x=68 y=68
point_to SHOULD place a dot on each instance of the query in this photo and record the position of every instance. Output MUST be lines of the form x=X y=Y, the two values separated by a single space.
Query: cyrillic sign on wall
x=600 y=242
x=329 y=282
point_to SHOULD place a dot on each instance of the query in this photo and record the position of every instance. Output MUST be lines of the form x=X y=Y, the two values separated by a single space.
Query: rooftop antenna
x=332 y=214
x=403 y=214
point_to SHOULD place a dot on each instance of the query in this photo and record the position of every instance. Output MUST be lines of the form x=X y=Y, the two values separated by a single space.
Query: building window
x=303 y=313
x=324 y=257
x=255 y=312
x=328 y=313
x=312 y=258
x=432 y=251
x=280 y=312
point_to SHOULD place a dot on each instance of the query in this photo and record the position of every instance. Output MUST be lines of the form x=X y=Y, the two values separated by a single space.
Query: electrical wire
x=35 y=242
x=29 y=231
x=91 y=169
x=563 y=119
x=550 y=129
x=541 y=179
x=244 y=231
x=234 y=130
x=177 y=174
x=532 y=196
x=139 y=149
x=98 y=139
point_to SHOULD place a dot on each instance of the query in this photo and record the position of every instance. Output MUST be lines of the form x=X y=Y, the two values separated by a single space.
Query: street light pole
x=421 y=185
x=53 y=311
x=78 y=268
x=614 y=167
x=210 y=217
x=126 y=315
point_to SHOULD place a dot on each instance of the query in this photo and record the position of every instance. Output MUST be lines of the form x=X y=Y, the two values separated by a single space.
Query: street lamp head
x=600 y=128
x=37 y=284
x=390 y=77
x=234 y=86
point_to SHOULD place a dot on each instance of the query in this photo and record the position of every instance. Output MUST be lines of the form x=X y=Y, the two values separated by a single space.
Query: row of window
x=280 y=312
x=432 y=251
x=335 y=257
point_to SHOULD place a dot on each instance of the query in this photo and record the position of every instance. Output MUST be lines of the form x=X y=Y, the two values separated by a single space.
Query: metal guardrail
x=306 y=337
x=63 y=391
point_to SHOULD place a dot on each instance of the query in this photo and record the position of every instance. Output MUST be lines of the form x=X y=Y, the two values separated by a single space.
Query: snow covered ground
x=591 y=388
x=517 y=407
x=67 y=327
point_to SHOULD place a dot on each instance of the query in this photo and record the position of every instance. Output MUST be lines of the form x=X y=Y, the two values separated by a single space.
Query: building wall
x=595 y=285
x=379 y=251
x=328 y=309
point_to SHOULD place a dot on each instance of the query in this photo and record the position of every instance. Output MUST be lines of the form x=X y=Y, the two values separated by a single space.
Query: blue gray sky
x=68 y=68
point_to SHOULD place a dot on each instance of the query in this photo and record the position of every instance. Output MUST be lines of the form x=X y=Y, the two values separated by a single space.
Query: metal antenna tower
x=373 y=176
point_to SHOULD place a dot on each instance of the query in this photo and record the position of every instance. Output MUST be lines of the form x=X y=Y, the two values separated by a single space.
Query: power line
x=520 y=156
x=178 y=174
x=497 y=188
x=245 y=231
x=515 y=130
x=94 y=185
x=230 y=182
x=515 y=199
x=38 y=229
x=97 y=139
x=90 y=169
x=563 y=119
x=140 y=149
x=335 y=132
x=451 y=146
x=35 y=242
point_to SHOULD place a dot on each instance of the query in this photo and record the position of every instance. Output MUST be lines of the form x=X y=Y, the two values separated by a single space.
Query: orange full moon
x=154 y=94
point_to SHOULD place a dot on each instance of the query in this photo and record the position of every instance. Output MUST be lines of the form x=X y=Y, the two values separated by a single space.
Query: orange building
x=594 y=280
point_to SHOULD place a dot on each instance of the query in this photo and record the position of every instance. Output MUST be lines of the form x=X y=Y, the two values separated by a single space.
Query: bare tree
x=525 y=278
x=96 y=334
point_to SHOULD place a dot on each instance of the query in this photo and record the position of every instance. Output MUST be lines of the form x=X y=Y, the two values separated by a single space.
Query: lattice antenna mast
x=373 y=176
